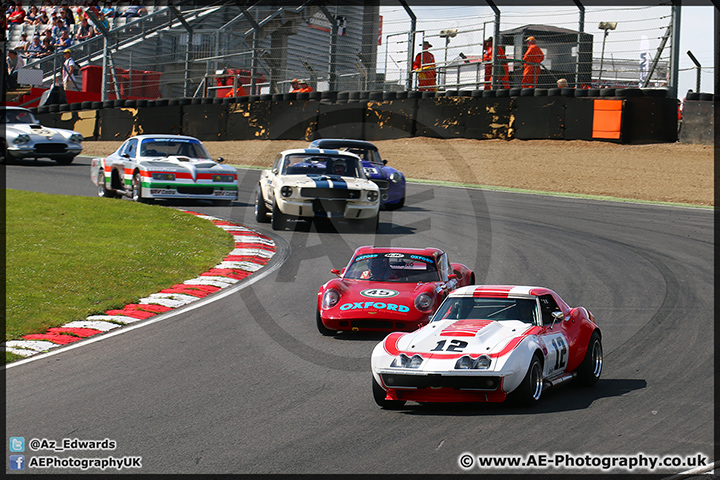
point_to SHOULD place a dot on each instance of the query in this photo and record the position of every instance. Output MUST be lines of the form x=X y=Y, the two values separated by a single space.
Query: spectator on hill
x=134 y=10
x=35 y=48
x=23 y=43
x=17 y=17
x=85 y=31
x=64 y=41
x=32 y=15
x=47 y=46
x=68 y=71
x=108 y=10
x=14 y=63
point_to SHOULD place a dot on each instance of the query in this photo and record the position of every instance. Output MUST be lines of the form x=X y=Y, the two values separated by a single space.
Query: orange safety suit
x=532 y=59
x=424 y=65
x=487 y=57
x=239 y=92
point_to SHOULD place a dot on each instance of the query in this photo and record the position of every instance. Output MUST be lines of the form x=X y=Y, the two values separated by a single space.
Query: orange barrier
x=607 y=119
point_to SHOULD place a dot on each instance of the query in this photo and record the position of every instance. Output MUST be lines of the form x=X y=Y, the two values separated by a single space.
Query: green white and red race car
x=149 y=167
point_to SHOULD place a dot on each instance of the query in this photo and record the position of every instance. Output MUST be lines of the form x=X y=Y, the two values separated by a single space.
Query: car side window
x=277 y=166
x=131 y=149
x=548 y=305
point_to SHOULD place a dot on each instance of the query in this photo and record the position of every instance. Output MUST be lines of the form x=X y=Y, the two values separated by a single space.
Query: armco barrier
x=647 y=116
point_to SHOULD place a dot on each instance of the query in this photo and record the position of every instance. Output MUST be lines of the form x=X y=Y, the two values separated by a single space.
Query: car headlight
x=76 y=138
x=467 y=363
x=424 y=302
x=395 y=177
x=330 y=298
x=403 y=361
x=21 y=139
x=372 y=195
x=168 y=177
x=222 y=178
x=286 y=191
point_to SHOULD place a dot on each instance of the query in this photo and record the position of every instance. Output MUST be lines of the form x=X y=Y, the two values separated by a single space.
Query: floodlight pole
x=602 y=55
x=699 y=67
x=411 y=42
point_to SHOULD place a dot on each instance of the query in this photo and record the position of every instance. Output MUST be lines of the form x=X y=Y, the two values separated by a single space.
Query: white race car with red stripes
x=148 y=167
x=487 y=343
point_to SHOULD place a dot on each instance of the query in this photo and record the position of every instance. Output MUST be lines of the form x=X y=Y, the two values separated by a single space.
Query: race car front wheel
x=279 y=219
x=137 y=189
x=530 y=389
x=379 y=395
x=322 y=328
x=261 y=210
x=591 y=367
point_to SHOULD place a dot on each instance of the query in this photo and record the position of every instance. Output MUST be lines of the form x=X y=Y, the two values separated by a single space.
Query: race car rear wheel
x=322 y=328
x=529 y=391
x=261 y=210
x=591 y=366
x=103 y=191
x=379 y=395
x=279 y=219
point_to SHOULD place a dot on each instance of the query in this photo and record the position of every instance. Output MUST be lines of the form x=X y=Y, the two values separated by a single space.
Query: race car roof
x=500 y=291
x=428 y=251
x=342 y=142
x=318 y=151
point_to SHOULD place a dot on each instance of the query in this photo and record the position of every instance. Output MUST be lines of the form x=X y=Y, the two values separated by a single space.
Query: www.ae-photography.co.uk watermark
x=585 y=461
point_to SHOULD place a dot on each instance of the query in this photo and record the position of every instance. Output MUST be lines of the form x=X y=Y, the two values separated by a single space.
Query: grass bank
x=69 y=257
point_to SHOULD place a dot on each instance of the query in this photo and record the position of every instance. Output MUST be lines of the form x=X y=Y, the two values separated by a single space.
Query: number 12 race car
x=487 y=343
x=388 y=289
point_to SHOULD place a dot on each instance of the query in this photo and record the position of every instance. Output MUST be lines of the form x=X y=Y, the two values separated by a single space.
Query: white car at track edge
x=317 y=183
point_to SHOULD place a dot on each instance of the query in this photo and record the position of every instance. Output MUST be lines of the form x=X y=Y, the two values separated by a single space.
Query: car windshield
x=366 y=154
x=483 y=308
x=165 y=147
x=307 y=164
x=393 y=267
x=19 y=116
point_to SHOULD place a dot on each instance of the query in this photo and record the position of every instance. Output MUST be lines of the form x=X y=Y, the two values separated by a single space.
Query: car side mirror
x=220 y=160
x=125 y=155
x=557 y=315
x=453 y=276
x=336 y=272
x=274 y=170
x=384 y=162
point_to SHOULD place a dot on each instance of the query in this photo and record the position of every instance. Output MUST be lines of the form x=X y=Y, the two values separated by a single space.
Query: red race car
x=386 y=289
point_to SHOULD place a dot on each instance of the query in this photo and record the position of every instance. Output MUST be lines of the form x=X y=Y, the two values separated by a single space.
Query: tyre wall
x=556 y=114
x=698 y=122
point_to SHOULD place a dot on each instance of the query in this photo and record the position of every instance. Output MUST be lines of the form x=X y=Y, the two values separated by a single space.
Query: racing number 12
x=455 y=346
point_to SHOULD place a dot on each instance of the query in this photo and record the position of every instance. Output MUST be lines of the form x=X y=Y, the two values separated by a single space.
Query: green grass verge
x=69 y=257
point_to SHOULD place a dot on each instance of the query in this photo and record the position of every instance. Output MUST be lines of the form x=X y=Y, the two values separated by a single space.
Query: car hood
x=359 y=298
x=482 y=336
x=34 y=129
x=326 y=181
x=185 y=163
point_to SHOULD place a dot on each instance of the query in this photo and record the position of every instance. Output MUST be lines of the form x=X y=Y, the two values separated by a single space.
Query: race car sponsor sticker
x=379 y=293
x=394 y=255
x=391 y=307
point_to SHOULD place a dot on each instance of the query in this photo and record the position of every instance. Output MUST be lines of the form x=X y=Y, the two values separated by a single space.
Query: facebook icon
x=17 y=462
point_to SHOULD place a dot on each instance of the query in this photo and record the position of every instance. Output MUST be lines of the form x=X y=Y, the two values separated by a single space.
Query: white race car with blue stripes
x=316 y=183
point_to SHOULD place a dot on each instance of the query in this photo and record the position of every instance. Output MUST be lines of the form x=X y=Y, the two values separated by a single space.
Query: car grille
x=329 y=193
x=382 y=184
x=196 y=190
x=323 y=207
x=50 y=147
x=394 y=380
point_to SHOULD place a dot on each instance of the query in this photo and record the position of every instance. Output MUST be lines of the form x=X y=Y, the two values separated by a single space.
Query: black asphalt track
x=246 y=384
